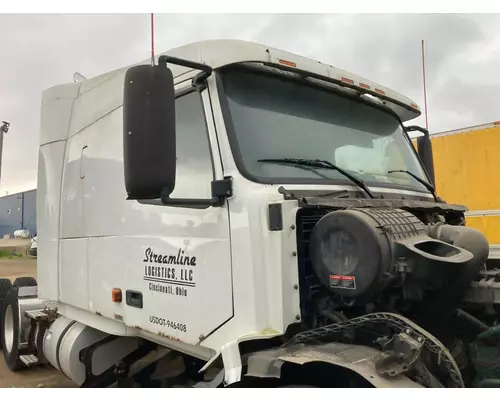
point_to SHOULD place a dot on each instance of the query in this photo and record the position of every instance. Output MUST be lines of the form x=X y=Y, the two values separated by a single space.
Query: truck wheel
x=25 y=281
x=5 y=286
x=10 y=330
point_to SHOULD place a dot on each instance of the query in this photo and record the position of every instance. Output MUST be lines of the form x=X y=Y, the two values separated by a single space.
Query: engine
x=384 y=259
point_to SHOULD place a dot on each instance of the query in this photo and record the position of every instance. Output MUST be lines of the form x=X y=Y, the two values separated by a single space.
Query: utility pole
x=3 y=129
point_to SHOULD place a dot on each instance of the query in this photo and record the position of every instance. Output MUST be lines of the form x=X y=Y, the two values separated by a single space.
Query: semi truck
x=235 y=215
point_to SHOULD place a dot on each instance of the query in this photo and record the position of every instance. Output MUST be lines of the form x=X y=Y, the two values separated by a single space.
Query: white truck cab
x=179 y=209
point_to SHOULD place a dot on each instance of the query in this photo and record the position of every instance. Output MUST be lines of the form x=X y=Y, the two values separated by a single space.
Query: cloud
x=462 y=59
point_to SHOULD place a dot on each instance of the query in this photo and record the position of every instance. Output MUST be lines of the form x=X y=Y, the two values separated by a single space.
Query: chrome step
x=29 y=359
x=37 y=314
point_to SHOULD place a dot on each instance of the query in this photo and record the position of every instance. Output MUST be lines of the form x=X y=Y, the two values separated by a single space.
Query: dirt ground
x=45 y=376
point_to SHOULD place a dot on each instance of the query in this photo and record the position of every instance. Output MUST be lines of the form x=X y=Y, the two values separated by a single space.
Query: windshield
x=273 y=117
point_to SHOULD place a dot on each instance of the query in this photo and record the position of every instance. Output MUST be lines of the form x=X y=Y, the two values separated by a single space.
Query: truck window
x=273 y=117
x=194 y=160
x=382 y=156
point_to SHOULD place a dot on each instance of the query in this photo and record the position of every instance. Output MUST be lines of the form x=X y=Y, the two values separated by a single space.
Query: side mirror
x=149 y=146
x=424 y=146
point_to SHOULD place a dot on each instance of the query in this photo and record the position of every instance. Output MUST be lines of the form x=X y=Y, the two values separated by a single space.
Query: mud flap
x=359 y=359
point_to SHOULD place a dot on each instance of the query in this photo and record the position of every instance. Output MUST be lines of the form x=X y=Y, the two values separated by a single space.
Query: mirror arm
x=192 y=203
x=221 y=191
x=413 y=128
x=199 y=80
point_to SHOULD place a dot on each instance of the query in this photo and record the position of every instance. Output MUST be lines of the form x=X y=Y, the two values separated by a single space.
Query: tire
x=5 y=286
x=10 y=331
x=25 y=281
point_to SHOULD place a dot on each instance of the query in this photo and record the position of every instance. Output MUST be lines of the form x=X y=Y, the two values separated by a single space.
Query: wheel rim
x=8 y=329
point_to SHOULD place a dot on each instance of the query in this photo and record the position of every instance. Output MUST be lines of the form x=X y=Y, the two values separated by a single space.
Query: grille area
x=307 y=219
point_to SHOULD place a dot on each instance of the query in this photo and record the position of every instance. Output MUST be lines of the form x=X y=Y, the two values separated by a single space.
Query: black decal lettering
x=190 y=274
x=173 y=274
x=178 y=259
x=146 y=254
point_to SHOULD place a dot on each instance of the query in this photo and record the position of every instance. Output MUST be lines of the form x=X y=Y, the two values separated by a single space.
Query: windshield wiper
x=428 y=186
x=320 y=164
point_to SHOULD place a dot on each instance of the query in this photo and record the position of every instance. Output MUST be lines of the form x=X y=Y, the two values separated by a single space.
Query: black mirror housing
x=424 y=149
x=149 y=145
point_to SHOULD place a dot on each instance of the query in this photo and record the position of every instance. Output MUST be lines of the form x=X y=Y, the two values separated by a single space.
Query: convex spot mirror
x=149 y=145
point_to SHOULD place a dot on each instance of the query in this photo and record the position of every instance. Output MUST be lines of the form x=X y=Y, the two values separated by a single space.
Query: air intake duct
x=444 y=302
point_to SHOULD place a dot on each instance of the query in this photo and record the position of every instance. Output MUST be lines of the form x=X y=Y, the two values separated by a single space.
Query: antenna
x=152 y=39
x=425 y=90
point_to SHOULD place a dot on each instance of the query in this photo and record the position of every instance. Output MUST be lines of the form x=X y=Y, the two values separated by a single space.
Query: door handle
x=82 y=162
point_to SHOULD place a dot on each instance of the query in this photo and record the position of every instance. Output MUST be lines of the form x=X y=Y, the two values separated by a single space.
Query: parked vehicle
x=237 y=215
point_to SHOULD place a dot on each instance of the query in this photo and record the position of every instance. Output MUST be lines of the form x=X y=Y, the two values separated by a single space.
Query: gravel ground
x=44 y=376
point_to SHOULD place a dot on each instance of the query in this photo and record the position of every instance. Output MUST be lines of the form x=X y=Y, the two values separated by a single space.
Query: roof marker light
x=380 y=91
x=347 y=80
x=287 y=63
x=364 y=85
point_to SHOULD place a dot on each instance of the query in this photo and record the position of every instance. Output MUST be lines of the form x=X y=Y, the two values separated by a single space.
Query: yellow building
x=467 y=171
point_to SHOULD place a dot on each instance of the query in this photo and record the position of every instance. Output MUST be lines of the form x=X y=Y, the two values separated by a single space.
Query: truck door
x=186 y=280
x=172 y=264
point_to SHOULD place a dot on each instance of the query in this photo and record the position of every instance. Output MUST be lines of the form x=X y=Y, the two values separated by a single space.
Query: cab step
x=29 y=359
x=38 y=315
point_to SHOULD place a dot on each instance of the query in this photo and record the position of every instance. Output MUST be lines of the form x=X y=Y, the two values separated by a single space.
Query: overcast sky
x=462 y=60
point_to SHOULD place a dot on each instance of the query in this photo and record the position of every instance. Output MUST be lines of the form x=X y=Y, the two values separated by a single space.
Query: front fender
x=359 y=359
